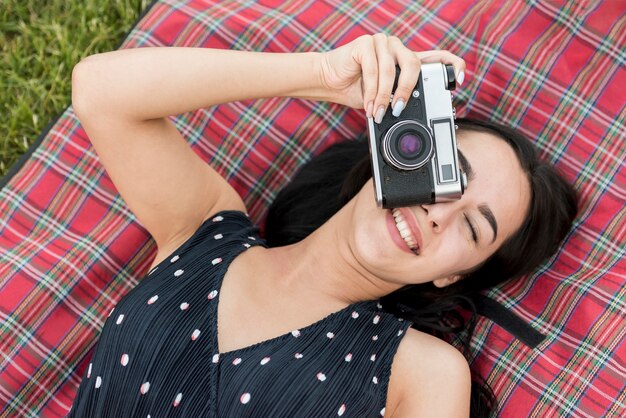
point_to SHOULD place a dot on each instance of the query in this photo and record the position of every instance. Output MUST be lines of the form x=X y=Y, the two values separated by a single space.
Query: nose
x=439 y=215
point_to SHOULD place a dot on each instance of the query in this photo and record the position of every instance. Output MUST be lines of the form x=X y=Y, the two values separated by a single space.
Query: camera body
x=414 y=156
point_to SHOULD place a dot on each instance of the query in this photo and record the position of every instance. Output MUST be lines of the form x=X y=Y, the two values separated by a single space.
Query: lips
x=415 y=237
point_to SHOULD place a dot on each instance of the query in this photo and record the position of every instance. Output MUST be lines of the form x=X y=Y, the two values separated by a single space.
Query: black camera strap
x=502 y=316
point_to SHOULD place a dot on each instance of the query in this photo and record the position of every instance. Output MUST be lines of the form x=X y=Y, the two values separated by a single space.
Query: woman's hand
x=361 y=73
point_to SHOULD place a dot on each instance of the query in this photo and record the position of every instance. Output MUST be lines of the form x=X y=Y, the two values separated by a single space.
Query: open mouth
x=405 y=231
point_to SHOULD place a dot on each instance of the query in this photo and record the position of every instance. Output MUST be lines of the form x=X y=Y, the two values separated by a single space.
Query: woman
x=301 y=330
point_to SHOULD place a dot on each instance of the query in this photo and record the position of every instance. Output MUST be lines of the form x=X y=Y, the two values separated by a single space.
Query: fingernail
x=379 y=114
x=398 y=108
x=369 y=110
x=460 y=78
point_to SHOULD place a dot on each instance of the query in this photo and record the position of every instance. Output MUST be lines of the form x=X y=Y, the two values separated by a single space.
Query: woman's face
x=493 y=205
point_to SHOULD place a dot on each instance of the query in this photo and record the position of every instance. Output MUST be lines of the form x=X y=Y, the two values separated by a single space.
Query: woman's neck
x=322 y=267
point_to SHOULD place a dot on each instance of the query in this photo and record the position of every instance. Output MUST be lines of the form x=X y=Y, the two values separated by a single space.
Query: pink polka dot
x=237 y=361
x=376 y=319
x=145 y=387
x=348 y=357
x=89 y=371
x=195 y=334
x=245 y=398
x=265 y=361
x=179 y=397
x=321 y=377
x=330 y=335
x=342 y=409
x=153 y=299
x=216 y=261
x=355 y=314
x=184 y=306
x=298 y=356
x=124 y=359
x=212 y=294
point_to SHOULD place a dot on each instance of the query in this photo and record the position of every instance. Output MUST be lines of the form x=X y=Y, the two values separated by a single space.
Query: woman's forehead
x=498 y=181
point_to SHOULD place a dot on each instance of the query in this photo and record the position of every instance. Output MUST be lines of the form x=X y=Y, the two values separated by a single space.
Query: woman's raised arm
x=123 y=98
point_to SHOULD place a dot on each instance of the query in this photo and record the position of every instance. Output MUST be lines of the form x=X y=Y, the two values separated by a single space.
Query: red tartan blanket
x=70 y=248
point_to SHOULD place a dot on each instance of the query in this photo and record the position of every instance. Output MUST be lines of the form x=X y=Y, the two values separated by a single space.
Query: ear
x=447 y=281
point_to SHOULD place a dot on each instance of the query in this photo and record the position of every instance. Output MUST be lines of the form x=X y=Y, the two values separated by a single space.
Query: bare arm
x=148 y=83
x=123 y=98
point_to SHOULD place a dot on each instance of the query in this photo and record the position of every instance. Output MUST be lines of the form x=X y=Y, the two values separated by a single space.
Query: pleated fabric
x=158 y=355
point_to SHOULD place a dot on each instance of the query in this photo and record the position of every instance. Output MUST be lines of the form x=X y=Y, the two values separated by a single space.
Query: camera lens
x=410 y=145
x=407 y=145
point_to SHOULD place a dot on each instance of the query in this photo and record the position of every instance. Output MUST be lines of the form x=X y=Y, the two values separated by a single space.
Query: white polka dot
x=342 y=409
x=321 y=377
x=178 y=272
x=148 y=416
x=153 y=299
x=379 y=306
x=179 y=397
x=373 y=357
x=382 y=412
x=119 y=319
x=112 y=309
x=218 y=236
x=252 y=238
x=124 y=359
x=98 y=382
x=174 y=259
x=237 y=361
x=153 y=270
x=295 y=333
x=245 y=398
x=184 y=306
x=145 y=387
x=400 y=333
x=348 y=357
x=265 y=361
x=216 y=358
x=400 y=319
x=195 y=334
x=218 y=219
x=375 y=380
x=216 y=261
x=355 y=314
x=375 y=338
x=330 y=335
x=89 y=371
x=212 y=294
x=298 y=356
x=245 y=244
x=376 y=319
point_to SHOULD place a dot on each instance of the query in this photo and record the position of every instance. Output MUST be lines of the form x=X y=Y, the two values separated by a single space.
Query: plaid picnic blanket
x=70 y=248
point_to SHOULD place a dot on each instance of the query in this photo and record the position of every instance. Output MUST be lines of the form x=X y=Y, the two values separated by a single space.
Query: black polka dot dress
x=158 y=356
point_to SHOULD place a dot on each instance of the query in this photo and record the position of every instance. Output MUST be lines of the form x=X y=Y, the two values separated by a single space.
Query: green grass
x=40 y=42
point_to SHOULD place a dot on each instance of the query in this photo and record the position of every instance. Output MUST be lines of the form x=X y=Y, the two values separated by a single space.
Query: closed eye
x=472 y=230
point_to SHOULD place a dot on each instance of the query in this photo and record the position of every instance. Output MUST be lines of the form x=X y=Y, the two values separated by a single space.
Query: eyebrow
x=483 y=208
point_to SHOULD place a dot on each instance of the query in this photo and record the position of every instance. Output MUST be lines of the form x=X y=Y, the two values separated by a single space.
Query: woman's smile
x=403 y=230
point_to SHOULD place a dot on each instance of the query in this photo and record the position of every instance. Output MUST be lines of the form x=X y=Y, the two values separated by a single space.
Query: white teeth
x=404 y=230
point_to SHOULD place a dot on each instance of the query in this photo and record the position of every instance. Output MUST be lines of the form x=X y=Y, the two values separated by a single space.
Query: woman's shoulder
x=428 y=376
x=215 y=227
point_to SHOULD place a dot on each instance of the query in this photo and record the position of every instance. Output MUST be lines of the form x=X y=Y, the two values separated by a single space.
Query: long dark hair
x=331 y=179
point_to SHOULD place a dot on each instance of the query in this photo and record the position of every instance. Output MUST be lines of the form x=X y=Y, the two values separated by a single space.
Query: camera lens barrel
x=407 y=145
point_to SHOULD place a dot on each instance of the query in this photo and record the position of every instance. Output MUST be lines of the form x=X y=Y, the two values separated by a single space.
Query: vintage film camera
x=414 y=156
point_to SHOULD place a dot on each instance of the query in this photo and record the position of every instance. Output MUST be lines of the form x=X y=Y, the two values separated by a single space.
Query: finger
x=409 y=72
x=369 y=69
x=386 y=76
x=445 y=57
